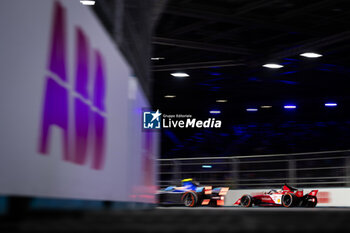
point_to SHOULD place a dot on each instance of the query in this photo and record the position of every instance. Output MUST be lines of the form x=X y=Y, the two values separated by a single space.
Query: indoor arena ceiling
x=223 y=44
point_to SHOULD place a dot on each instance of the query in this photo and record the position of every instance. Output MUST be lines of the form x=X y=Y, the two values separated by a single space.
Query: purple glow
x=99 y=84
x=55 y=113
x=89 y=125
x=81 y=109
x=55 y=109
x=57 y=62
x=99 y=120
x=147 y=162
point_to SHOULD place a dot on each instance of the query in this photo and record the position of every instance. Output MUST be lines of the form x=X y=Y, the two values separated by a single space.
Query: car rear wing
x=313 y=193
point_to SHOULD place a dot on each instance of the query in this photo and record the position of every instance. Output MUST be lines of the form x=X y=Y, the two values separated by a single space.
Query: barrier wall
x=70 y=111
x=338 y=197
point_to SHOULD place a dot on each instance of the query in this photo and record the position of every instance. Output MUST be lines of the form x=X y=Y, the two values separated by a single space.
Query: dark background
x=222 y=45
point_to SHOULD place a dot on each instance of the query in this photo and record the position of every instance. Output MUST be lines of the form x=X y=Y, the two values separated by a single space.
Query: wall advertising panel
x=70 y=127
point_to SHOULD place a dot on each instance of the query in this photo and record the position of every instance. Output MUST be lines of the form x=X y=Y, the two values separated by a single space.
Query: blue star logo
x=151 y=120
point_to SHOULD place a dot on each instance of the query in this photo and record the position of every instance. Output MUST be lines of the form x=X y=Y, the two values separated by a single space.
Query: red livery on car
x=287 y=197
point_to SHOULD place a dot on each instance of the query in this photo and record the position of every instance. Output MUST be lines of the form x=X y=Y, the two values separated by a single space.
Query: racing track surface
x=180 y=219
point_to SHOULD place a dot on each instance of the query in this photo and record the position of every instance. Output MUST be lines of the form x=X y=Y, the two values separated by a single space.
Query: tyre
x=310 y=201
x=190 y=199
x=289 y=200
x=213 y=203
x=246 y=201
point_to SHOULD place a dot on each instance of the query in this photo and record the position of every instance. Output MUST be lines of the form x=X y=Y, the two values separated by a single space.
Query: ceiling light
x=89 y=3
x=290 y=106
x=169 y=96
x=272 y=66
x=207 y=166
x=311 y=55
x=215 y=112
x=221 y=101
x=157 y=58
x=179 y=75
x=330 y=104
x=252 y=109
x=266 y=106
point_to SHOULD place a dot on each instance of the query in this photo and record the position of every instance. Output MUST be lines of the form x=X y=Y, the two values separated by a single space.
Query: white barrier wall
x=326 y=196
x=70 y=122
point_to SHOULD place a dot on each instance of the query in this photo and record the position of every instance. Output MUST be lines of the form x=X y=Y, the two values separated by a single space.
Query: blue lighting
x=254 y=79
x=215 y=74
x=224 y=134
x=289 y=72
x=207 y=166
x=214 y=88
x=286 y=63
x=252 y=109
x=290 y=106
x=330 y=104
x=215 y=112
x=215 y=79
x=290 y=59
x=288 y=82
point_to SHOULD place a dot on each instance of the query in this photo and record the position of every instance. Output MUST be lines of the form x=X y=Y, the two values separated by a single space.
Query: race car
x=191 y=194
x=288 y=196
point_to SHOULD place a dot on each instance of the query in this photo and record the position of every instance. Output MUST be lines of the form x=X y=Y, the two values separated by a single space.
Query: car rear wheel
x=289 y=200
x=213 y=203
x=190 y=199
x=246 y=201
x=311 y=201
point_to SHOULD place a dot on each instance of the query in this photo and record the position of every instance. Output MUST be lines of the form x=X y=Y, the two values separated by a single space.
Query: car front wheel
x=246 y=201
x=289 y=200
x=189 y=199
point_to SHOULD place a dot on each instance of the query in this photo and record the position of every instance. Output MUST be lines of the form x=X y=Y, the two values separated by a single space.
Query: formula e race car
x=191 y=194
x=287 y=197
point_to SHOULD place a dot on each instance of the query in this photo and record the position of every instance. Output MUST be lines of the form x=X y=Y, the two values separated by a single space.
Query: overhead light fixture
x=215 y=112
x=221 y=101
x=169 y=96
x=311 y=55
x=179 y=75
x=330 y=104
x=207 y=166
x=88 y=3
x=273 y=66
x=266 y=106
x=290 y=106
x=252 y=109
x=157 y=58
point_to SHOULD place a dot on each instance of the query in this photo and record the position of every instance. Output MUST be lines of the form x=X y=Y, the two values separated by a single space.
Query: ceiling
x=223 y=44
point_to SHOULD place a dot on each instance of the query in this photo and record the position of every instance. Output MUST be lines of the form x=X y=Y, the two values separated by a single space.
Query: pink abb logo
x=89 y=112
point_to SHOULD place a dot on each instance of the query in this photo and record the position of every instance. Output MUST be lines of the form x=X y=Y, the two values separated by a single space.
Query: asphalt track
x=253 y=209
x=181 y=219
